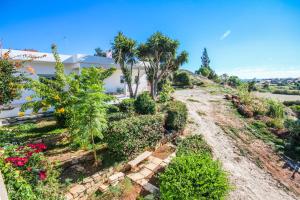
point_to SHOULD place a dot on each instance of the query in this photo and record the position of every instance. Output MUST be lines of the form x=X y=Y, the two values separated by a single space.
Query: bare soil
x=255 y=170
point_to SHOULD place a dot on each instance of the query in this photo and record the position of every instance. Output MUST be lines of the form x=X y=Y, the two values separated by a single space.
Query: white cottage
x=44 y=66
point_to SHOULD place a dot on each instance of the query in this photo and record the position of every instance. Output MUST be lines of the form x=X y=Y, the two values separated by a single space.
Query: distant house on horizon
x=44 y=66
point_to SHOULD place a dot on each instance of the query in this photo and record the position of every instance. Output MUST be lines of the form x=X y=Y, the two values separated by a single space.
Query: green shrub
x=132 y=135
x=291 y=103
x=176 y=116
x=194 y=177
x=117 y=116
x=292 y=145
x=192 y=144
x=296 y=109
x=275 y=109
x=182 y=79
x=144 y=104
x=113 y=109
x=127 y=105
x=287 y=92
x=276 y=123
x=165 y=94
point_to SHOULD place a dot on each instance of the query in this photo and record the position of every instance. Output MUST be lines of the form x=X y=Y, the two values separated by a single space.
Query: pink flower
x=42 y=175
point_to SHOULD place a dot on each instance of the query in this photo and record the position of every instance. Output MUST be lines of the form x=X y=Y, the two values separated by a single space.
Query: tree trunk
x=130 y=89
x=137 y=82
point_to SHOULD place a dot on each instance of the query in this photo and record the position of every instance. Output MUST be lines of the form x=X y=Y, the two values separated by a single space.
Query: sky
x=248 y=38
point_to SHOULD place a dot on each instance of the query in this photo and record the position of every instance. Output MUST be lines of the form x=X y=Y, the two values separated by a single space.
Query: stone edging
x=136 y=170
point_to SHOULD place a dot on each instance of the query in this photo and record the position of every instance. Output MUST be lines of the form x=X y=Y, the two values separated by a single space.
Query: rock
x=68 y=196
x=115 y=177
x=139 y=159
x=77 y=168
x=135 y=176
x=103 y=187
x=150 y=188
x=228 y=97
x=151 y=166
x=243 y=110
x=146 y=172
x=77 y=189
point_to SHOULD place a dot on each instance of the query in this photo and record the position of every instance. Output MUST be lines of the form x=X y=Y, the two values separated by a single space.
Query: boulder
x=245 y=111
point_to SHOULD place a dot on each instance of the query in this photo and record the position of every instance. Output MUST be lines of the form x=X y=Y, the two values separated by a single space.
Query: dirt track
x=249 y=180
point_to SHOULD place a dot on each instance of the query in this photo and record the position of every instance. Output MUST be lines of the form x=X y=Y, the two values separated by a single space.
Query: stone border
x=139 y=170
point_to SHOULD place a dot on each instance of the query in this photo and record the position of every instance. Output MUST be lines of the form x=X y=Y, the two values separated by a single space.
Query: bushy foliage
x=193 y=177
x=204 y=71
x=165 y=94
x=292 y=146
x=127 y=105
x=117 y=116
x=27 y=174
x=287 y=92
x=132 y=135
x=244 y=94
x=234 y=81
x=182 y=79
x=112 y=109
x=192 y=144
x=87 y=114
x=291 y=103
x=144 y=104
x=176 y=116
x=275 y=109
x=296 y=109
x=11 y=79
x=50 y=93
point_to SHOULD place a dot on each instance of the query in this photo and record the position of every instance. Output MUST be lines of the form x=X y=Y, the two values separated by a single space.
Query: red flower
x=17 y=161
x=38 y=147
x=42 y=175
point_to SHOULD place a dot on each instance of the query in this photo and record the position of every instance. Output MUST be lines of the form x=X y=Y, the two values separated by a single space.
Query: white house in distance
x=44 y=66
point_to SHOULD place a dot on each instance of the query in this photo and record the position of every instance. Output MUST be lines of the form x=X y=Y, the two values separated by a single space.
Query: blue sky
x=249 y=38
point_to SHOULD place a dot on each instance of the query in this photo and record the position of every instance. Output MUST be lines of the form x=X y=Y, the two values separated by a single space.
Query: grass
x=20 y=134
x=260 y=131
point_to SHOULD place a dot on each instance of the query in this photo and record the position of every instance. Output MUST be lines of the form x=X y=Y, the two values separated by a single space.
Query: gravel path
x=250 y=181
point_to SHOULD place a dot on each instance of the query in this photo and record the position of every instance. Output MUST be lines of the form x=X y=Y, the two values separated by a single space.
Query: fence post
x=3 y=192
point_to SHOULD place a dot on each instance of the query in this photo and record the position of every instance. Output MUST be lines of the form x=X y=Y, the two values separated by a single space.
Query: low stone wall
x=139 y=170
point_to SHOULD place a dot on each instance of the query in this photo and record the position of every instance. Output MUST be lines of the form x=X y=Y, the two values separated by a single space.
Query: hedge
x=176 y=116
x=132 y=135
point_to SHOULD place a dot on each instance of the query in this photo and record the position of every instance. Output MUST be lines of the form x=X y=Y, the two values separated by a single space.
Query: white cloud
x=225 y=35
x=265 y=72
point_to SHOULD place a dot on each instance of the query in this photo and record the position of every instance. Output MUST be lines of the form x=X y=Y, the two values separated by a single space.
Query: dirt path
x=250 y=181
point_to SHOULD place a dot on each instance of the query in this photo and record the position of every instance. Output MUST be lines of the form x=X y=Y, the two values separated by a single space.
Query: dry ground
x=255 y=170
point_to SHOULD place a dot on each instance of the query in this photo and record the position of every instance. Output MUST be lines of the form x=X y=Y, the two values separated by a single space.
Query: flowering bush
x=27 y=174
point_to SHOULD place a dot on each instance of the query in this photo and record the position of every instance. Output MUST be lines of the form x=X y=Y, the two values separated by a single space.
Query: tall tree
x=160 y=58
x=100 y=52
x=205 y=59
x=125 y=54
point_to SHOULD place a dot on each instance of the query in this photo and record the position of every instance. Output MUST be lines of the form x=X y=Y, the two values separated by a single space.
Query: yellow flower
x=61 y=110
x=56 y=97
x=21 y=114
x=28 y=98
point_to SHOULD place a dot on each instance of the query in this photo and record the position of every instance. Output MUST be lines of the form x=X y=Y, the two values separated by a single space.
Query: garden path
x=250 y=181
